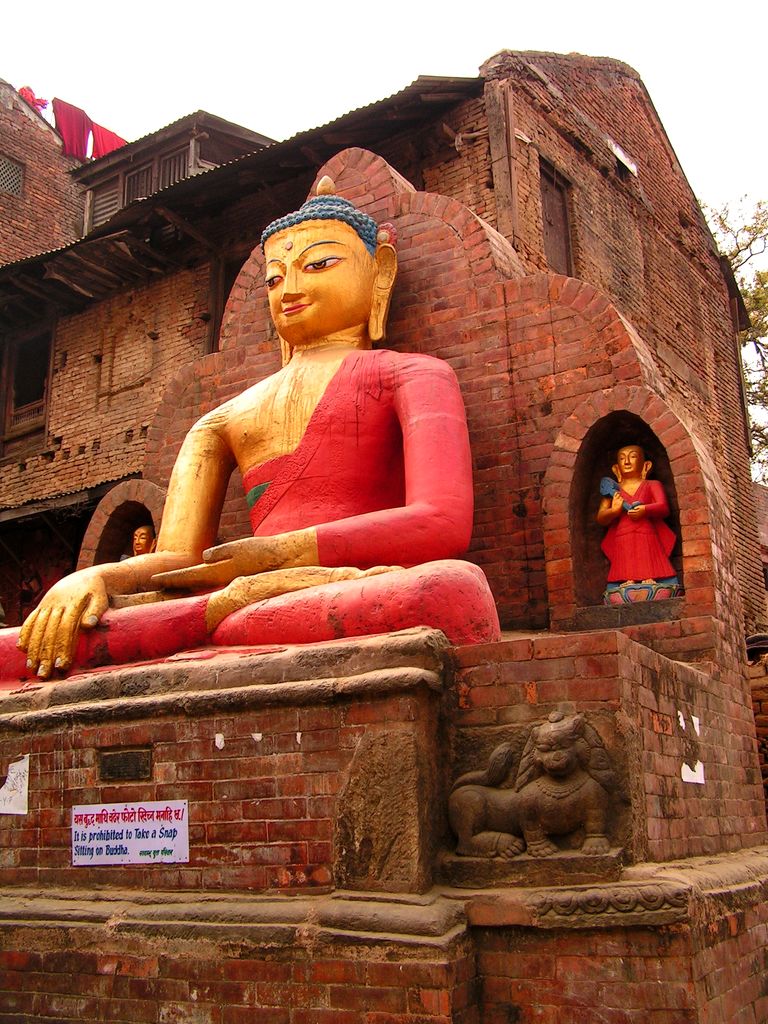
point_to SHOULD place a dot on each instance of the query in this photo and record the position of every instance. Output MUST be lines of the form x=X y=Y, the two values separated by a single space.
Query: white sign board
x=151 y=832
x=14 y=793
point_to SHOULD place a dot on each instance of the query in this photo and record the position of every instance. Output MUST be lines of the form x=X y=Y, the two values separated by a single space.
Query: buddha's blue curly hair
x=328 y=207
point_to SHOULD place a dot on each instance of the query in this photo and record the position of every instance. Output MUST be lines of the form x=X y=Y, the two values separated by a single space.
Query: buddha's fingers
x=247 y=590
x=36 y=636
x=377 y=570
x=196 y=576
x=25 y=633
x=69 y=627
x=49 y=643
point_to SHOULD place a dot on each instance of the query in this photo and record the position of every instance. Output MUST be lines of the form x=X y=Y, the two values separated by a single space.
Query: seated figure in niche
x=638 y=542
x=143 y=541
x=356 y=468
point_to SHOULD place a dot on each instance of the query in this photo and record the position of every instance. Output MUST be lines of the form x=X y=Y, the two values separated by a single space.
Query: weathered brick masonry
x=322 y=884
x=640 y=240
x=49 y=211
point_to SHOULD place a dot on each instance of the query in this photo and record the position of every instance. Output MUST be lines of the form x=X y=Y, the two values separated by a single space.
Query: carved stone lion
x=564 y=783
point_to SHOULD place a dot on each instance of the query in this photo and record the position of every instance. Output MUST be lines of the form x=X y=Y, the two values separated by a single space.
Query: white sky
x=287 y=66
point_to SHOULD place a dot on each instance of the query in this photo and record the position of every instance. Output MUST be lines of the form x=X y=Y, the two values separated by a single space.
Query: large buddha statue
x=356 y=468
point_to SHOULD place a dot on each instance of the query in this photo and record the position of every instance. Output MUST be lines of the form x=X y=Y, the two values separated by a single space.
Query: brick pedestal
x=322 y=882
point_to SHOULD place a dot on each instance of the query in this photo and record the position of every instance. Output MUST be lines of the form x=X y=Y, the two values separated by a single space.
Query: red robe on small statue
x=639 y=549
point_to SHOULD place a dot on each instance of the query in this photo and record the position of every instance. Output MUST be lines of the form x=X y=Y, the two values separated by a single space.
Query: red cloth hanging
x=104 y=141
x=34 y=101
x=74 y=126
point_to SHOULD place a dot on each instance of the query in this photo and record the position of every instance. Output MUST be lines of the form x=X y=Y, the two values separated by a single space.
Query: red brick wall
x=508 y=686
x=729 y=964
x=108 y=376
x=758 y=677
x=49 y=212
x=709 y=974
x=309 y=982
x=610 y=976
x=642 y=241
x=263 y=806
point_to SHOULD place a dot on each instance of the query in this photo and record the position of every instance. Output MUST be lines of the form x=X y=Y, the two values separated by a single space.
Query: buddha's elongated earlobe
x=616 y=472
x=647 y=465
x=386 y=271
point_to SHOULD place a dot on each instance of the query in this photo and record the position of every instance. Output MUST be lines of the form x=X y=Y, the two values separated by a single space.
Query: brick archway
x=697 y=493
x=120 y=511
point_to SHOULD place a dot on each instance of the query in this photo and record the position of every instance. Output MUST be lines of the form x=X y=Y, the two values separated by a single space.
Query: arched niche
x=129 y=504
x=594 y=460
x=117 y=535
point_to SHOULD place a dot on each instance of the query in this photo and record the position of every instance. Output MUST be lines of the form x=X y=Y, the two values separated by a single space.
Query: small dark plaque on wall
x=125 y=765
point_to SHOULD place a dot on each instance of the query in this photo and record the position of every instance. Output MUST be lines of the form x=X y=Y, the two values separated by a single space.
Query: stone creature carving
x=564 y=783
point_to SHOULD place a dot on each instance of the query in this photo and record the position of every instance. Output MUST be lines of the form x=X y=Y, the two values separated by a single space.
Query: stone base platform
x=666 y=944
x=322 y=886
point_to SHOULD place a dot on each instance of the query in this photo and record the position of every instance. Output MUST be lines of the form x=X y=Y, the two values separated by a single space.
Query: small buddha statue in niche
x=143 y=539
x=638 y=542
x=357 y=472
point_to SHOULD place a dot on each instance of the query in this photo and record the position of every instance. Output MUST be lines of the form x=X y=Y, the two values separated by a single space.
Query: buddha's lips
x=296 y=308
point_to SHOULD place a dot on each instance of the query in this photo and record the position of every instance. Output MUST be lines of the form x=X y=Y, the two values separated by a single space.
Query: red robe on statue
x=639 y=549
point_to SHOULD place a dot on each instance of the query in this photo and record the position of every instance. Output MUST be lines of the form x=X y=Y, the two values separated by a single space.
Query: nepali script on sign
x=151 y=832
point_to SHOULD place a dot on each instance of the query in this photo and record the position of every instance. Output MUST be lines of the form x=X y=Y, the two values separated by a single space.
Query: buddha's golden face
x=630 y=461
x=320 y=280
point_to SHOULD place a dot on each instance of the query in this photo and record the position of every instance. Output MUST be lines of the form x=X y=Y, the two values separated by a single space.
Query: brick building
x=48 y=202
x=552 y=252
x=564 y=156
x=41 y=205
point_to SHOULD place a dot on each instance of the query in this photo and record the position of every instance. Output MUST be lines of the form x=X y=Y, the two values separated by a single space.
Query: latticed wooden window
x=138 y=184
x=11 y=176
x=174 y=167
x=106 y=201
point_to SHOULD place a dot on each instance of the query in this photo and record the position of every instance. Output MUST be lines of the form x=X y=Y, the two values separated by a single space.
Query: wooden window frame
x=14 y=347
x=562 y=186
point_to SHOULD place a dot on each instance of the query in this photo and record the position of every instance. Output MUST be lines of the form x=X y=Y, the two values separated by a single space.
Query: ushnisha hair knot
x=327 y=206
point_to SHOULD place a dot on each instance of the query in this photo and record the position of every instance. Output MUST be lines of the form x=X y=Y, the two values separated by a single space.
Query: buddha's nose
x=291 y=284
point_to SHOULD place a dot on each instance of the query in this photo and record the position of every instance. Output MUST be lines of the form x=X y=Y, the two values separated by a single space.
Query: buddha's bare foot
x=247 y=590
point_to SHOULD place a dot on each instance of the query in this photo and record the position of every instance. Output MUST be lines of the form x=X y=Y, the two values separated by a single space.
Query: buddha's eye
x=323 y=264
x=274 y=280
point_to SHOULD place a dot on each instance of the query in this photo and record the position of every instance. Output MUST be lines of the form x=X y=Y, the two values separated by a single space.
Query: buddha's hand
x=246 y=557
x=638 y=512
x=248 y=590
x=49 y=634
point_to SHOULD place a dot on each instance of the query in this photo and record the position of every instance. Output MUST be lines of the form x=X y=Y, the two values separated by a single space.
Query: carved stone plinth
x=565 y=867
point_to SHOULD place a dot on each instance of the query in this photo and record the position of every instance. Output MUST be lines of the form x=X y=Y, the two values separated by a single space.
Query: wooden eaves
x=130 y=249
